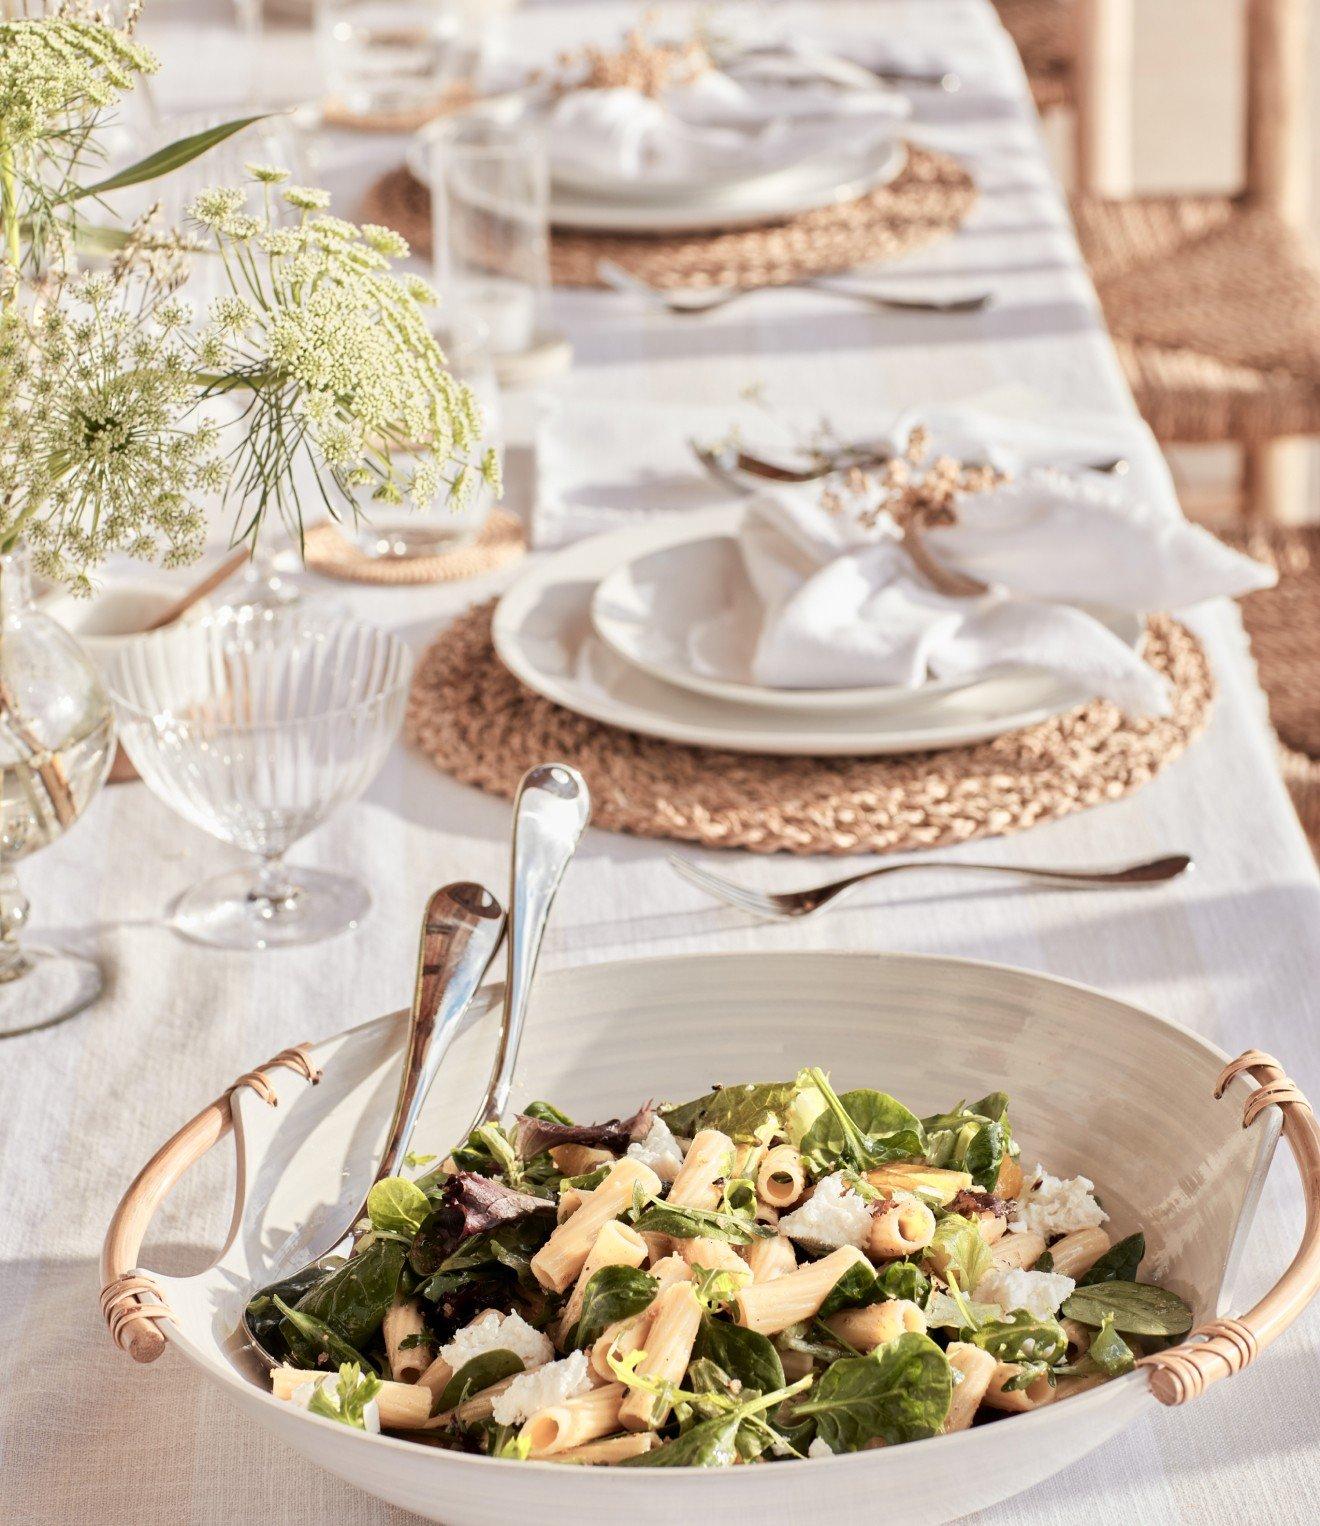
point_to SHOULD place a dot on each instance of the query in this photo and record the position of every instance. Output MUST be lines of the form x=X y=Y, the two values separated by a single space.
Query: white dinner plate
x=543 y=634
x=761 y=197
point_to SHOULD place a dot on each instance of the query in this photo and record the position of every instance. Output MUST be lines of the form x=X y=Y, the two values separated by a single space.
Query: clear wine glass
x=255 y=724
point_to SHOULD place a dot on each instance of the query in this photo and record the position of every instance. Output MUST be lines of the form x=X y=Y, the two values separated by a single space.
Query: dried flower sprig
x=912 y=491
x=638 y=63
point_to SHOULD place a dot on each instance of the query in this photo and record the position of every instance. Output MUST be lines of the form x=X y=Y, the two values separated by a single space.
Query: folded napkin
x=709 y=128
x=829 y=603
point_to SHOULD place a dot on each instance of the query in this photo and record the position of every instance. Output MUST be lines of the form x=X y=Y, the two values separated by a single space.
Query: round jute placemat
x=477 y=722
x=930 y=197
x=499 y=542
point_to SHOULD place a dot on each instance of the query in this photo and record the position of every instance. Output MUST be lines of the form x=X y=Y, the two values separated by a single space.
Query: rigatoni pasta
x=768 y=1261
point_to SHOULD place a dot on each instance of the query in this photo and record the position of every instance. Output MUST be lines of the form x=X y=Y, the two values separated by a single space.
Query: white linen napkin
x=830 y=604
x=710 y=128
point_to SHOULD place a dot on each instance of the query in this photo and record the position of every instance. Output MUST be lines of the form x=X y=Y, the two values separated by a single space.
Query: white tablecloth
x=86 y=1436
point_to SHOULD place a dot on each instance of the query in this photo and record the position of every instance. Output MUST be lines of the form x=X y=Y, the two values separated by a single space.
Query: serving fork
x=786 y=905
x=688 y=303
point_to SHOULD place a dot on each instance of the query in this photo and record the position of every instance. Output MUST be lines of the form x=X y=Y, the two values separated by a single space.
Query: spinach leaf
x=353 y=1300
x=958 y=1248
x=899 y=1393
x=1020 y=1337
x=700 y=1224
x=738 y=1111
x=490 y=1367
x=397 y=1206
x=613 y=1292
x=512 y=1245
x=1136 y=1308
x=861 y=1129
x=744 y=1354
x=713 y=1443
x=1110 y=1352
x=714 y=1393
x=312 y=1343
x=862 y=1285
x=1119 y=1263
x=263 y=1313
x=976 y=1137
x=903 y=1279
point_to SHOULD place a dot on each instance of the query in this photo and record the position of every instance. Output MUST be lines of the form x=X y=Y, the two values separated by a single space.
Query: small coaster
x=337 y=113
x=500 y=541
x=550 y=354
x=474 y=720
x=928 y=200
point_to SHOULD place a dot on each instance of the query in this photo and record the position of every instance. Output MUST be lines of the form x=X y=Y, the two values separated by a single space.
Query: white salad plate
x=543 y=634
x=647 y=608
x=602 y=1038
x=763 y=196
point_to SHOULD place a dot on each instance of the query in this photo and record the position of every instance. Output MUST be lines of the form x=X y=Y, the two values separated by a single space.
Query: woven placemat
x=499 y=542
x=930 y=197
x=477 y=722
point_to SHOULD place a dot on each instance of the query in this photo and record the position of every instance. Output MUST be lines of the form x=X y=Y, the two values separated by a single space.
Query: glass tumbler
x=397 y=534
x=490 y=194
x=392 y=56
x=255 y=724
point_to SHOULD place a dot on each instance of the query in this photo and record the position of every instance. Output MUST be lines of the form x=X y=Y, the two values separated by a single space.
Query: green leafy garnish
x=899 y=1393
x=397 y=1206
x=347 y=1401
x=312 y=1343
x=1119 y=1263
x=612 y=1293
x=861 y=1129
x=745 y=1355
x=1135 y=1308
x=353 y=1300
x=475 y=1376
x=681 y=1223
x=958 y=1247
x=741 y=1112
x=1110 y=1352
x=1020 y=1337
x=713 y=1443
x=975 y=1137
x=863 y=1284
x=716 y=1287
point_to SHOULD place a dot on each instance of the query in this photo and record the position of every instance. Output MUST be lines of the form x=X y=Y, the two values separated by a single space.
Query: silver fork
x=688 y=303
x=805 y=903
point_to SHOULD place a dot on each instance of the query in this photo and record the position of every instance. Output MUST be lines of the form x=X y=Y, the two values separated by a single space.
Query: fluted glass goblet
x=255 y=724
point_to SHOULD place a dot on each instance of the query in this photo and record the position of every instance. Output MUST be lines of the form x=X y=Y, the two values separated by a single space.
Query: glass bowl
x=255 y=724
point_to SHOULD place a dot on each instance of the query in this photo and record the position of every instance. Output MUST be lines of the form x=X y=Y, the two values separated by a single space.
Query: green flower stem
x=9 y=206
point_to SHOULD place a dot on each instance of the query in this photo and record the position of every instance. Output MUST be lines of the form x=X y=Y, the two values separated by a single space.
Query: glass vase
x=56 y=742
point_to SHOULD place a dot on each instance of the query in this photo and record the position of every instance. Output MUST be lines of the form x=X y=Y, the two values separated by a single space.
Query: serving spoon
x=461 y=932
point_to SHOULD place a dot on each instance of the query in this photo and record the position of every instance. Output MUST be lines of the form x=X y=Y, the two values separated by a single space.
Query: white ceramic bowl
x=1165 y=1155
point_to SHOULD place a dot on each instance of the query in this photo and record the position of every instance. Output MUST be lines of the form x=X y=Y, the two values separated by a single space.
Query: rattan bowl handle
x=1225 y=1346
x=131 y=1300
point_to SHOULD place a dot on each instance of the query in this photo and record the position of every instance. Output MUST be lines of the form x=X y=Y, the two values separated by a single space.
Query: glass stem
x=14 y=907
x=273 y=893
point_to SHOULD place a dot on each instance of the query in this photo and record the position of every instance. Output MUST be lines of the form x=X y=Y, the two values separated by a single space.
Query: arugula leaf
x=312 y=1343
x=738 y=1111
x=744 y=1354
x=354 y=1391
x=716 y=1287
x=899 y=1393
x=861 y=1129
x=1110 y=1352
x=715 y=1392
x=958 y=1248
x=681 y=1223
x=613 y=1292
x=1020 y=1337
x=1119 y=1263
x=353 y=1300
x=474 y=1376
x=397 y=1206
x=1135 y=1308
x=713 y=1443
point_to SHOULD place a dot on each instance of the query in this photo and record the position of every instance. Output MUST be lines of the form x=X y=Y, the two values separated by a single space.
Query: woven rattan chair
x=1043 y=31
x=1214 y=301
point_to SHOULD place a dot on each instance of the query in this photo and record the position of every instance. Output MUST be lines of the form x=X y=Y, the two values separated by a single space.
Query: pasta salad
x=770 y=1271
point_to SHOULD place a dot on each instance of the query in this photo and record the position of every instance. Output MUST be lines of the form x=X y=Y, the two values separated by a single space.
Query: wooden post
x=1277 y=130
x=1103 y=86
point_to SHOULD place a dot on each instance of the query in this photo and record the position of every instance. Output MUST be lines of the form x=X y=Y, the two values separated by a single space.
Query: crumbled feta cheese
x=493 y=1331
x=548 y=1385
x=832 y=1216
x=659 y=1150
x=1040 y=1293
x=819 y=1448
x=329 y=1386
x=1055 y=1206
